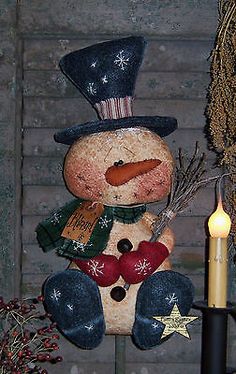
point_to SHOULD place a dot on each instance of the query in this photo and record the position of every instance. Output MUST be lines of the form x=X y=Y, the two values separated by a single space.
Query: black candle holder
x=214 y=337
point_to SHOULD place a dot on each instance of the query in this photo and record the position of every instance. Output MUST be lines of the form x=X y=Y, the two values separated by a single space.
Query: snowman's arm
x=167 y=236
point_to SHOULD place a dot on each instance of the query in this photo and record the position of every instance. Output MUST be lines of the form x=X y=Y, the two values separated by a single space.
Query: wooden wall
x=37 y=100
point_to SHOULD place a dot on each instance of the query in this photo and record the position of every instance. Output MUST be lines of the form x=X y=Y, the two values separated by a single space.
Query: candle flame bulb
x=219 y=222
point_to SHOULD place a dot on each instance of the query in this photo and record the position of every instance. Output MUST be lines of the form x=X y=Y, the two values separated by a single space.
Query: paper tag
x=82 y=222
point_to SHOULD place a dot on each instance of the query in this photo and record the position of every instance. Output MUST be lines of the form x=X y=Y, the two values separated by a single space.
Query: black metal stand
x=214 y=337
x=120 y=354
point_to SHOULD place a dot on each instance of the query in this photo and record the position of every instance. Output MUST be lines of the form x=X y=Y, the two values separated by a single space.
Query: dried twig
x=188 y=179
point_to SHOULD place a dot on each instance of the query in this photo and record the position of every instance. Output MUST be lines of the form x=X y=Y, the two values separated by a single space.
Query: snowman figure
x=117 y=280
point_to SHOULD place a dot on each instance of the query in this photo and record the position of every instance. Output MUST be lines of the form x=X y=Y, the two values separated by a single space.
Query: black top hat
x=106 y=74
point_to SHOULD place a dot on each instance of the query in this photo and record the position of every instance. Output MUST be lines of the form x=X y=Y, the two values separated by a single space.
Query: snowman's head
x=119 y=159
x=122 y=167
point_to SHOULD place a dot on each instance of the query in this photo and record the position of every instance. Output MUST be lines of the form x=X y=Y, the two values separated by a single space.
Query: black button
x=118 y=293
x=124 y=245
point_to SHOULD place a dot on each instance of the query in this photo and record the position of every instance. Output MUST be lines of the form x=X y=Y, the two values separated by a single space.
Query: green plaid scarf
x=49 y=231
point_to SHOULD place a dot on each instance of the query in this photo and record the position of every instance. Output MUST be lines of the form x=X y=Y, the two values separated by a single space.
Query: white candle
x=219 y=227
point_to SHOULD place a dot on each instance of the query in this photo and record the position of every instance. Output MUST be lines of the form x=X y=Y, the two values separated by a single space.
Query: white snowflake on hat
x=105 y=79
x=121 y=60
x=91 y=88
x=93 y=65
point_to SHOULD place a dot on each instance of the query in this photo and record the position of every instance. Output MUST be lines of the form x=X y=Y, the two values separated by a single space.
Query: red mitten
x=137 y=265
x=103 y=269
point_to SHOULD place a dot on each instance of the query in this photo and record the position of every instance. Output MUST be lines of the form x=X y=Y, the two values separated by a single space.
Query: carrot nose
x=117 y=175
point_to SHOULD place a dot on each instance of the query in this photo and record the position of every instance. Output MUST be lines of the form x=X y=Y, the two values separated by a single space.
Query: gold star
x=175 y=322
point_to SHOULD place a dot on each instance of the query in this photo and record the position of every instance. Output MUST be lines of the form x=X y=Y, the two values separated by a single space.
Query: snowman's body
x=90 y=158
x=117 y=163
x=119 y=316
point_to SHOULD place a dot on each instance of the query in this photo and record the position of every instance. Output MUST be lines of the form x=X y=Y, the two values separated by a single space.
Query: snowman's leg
x=74 y=302
x=156 y=297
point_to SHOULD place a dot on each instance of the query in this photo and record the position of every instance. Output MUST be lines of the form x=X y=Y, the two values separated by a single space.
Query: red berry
x=55 y=346
x=20 y=354
x=55 y=336
x=40 y=357
x=59 y=359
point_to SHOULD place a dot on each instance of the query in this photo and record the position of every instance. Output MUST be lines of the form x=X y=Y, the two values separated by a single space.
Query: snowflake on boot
x=56 y=294
x=70 y=307
x=172 y=298
x=89 y=327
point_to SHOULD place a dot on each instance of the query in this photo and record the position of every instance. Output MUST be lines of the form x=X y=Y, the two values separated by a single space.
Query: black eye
x=118 y=163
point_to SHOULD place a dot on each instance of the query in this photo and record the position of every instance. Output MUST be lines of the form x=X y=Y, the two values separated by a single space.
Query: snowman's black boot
x=156 y=297
x=74 y=302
